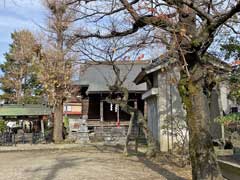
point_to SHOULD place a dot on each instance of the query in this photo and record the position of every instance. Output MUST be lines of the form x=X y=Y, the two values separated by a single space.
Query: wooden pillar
x=42 y=127
x=135 y=104
x=145 y=109
x=101 y=110
x=137 y=129
x=118 y=115
x=223 y=132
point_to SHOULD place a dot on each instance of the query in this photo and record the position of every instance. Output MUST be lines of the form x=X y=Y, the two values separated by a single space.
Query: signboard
x=74 y=125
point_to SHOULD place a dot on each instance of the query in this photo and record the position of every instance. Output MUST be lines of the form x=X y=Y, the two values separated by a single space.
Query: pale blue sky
x=17 y=15
x=27 y=14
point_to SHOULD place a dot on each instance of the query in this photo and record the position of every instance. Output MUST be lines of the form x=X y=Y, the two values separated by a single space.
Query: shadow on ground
x=160 y=170
x=61 y=163
x=74 y=161
x=143 y=159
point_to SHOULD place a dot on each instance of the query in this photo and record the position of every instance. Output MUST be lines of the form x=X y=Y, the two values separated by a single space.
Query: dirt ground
x=94 y=164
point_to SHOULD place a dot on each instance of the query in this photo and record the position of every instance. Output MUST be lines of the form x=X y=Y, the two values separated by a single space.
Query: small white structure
x=165 y=112
x=164 y=106
x=12 y=124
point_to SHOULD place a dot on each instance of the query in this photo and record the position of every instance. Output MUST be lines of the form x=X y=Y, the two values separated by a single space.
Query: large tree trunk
x=58 y=123
x=203 y=158
x=152 y=144
x=129 y=133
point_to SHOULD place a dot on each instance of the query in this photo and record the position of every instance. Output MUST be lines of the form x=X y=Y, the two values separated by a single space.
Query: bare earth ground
x=91 y=164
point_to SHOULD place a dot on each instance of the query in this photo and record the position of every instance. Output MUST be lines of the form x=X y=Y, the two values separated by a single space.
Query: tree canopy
x=19 y=81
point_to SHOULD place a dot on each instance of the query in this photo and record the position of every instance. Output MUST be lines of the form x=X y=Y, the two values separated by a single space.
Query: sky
x=22 y=14
x=18 y=15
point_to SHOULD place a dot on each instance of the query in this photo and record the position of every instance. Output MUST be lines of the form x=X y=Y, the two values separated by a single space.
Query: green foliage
x=19 y=81
x=184 y=92
x=232 y=51
x=66 y=122
x=2 y=125
x=196 y=42
x=232 y=48
x=230 y=118
x=235 y=85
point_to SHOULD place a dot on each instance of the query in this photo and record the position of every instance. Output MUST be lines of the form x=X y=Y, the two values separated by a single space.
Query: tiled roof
x=167 y=60
x=98 y=76
x=24 y=110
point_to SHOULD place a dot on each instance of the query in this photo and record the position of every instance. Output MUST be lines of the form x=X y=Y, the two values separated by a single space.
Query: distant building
x=90 y=101
x=35 y=114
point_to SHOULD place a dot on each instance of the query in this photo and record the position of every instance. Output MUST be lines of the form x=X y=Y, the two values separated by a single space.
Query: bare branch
x=193 y=6
x=232 y=28
x=130 y=9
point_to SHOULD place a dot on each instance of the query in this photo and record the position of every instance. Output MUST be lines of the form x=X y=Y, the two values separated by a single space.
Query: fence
x=10 y=138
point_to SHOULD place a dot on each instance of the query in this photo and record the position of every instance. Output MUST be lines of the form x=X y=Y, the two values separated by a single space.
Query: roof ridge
x=116 y=62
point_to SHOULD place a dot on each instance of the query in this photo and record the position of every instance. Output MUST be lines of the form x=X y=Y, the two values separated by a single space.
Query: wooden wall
x=92 y=107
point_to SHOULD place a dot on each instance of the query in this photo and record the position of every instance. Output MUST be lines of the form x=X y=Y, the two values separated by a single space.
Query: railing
x=10 y=138
x=6 y=139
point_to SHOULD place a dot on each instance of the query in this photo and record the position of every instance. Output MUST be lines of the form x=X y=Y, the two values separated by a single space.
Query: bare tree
x=121 y=55
x=55 y=59
x=190 y=27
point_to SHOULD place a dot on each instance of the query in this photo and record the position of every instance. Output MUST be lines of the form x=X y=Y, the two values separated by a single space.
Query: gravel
x=92 y=164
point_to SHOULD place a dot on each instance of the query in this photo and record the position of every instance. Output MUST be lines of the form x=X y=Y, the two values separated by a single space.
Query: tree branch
x=232 y=28
x=223 y=18
x=200 y=12
x=107 y=36
x=130 y=9
x=205 y=37
x=103 y=14
x=203 y=15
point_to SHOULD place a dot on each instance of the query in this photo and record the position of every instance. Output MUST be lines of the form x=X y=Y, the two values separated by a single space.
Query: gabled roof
x=157 y=64
x=24 y=110
x=165 y=61
x=97 y=77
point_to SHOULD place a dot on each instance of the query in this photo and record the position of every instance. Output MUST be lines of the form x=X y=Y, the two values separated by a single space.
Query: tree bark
x=152 y=144
x=58 y=123
x=128 y=133
x=203 y=159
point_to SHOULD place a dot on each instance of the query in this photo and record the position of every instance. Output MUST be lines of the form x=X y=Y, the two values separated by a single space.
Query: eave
x=149 y=93
x=140 y=77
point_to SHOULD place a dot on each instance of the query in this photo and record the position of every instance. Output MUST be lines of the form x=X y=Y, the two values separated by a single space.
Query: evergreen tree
x=232 y=51
x=19 y=81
